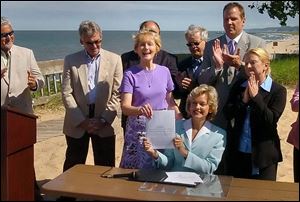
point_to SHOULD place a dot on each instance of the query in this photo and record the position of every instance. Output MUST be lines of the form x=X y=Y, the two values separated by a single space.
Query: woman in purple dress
x=145 y=87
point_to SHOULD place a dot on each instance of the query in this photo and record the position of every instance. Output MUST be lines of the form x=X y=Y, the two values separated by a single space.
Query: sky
x=127 y=15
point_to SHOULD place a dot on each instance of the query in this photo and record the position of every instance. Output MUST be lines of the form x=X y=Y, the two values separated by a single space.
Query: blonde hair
x=262 y=54
x=143 y=35
x=212 y=99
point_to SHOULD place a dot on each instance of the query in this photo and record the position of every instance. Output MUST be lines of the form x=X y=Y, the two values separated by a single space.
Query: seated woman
x=199 y=144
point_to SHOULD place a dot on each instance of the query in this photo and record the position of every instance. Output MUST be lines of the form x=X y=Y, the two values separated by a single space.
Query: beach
x=288 y=46
x=49 y=151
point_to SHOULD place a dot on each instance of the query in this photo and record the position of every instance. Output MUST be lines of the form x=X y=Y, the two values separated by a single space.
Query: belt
x=91 y=110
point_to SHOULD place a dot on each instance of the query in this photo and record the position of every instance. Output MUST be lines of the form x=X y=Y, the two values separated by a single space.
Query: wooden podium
x=18 y=135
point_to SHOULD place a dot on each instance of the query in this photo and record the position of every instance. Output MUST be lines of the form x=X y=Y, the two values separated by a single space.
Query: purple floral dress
x=146 y=87
x=134 y=154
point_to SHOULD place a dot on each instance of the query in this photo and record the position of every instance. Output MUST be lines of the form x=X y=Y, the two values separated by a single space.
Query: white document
x=188 y=178
x=160 y=129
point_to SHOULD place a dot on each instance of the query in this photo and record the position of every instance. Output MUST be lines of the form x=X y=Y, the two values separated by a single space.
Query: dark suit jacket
x=227 y=77
x=183 y=93
x=266 y=109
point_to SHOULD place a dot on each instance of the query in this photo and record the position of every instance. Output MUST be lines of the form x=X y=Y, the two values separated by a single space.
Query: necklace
x=149 y=80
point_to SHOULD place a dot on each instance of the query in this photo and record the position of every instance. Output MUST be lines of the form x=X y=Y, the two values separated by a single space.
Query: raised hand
x=218 y=54
x=232 y=60
x=253 y=85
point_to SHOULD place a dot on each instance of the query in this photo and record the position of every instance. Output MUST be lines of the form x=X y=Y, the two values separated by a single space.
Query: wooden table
x=85 y=181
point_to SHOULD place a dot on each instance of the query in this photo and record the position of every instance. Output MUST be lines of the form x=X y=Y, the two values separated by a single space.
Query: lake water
x=50 y=45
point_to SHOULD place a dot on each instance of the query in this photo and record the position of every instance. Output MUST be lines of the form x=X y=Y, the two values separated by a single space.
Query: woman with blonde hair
x=145 y=87
x=199 y=144
x=254 y=108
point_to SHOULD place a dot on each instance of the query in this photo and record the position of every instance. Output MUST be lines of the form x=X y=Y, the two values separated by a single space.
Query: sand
x=49 y=153
x=287 y=46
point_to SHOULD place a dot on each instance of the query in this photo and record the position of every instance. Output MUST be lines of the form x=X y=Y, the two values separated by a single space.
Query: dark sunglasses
x=193 y=43
x=94 y=42
x=5 y=35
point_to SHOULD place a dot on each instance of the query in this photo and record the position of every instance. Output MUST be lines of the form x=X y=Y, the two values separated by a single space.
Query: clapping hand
x=232 y=60
x=251 y=89
x=218 y=54
x=184 y=81
x=253 y=85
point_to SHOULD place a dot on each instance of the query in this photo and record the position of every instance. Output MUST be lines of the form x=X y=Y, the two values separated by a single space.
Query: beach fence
x=52 y=72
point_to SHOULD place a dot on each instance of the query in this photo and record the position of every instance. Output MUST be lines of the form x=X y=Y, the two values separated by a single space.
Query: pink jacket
x=293 y=137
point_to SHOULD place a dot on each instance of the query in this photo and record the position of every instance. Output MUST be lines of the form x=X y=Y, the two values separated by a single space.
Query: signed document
x=160 y=129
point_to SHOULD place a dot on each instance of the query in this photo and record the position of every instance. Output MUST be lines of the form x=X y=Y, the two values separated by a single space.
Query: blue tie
x=195 y=70
x=231 y=47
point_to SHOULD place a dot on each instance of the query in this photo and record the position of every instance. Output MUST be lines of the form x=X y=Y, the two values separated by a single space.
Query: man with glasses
x=196 y=37
x=91 y=80
x=20 y=75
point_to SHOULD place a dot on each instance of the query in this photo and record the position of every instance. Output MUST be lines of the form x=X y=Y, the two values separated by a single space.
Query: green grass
x=55 y=104
x=285 y=70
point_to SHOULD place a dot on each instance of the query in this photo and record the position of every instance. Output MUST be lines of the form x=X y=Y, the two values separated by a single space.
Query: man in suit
x=91 y=79
x=196 y=37
x=162 y=58
x=20 y=75
x=235 y=43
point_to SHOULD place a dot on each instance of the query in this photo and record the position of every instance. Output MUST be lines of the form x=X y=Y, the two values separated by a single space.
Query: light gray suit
x=226 y=78
x=75 y=92
x=14 y=90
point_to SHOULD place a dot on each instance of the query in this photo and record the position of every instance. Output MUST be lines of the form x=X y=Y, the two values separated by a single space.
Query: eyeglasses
x=5 y=35
x=193 y=43
x=93 y=42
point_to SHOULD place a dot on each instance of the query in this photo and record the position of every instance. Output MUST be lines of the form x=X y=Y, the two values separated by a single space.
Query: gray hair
x=89 y=28
x=193 y=29
x=5 y=21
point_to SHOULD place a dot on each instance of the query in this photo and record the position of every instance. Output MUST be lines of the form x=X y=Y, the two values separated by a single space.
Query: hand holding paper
x=160 y=130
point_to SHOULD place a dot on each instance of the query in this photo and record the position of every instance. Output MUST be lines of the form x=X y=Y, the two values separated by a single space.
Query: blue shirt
x=92 y=76
x=245 y=142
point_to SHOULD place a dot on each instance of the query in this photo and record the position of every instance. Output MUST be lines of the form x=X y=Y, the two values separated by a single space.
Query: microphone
x=131 y=175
